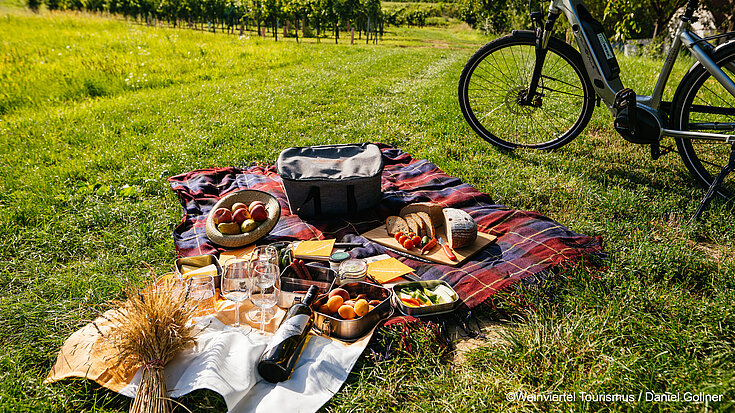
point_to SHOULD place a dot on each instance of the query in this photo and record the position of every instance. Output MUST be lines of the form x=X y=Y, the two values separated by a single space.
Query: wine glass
x=264 y=253
x=267 y=254
x=264 y=289
x=201 y=289
x=236 y=287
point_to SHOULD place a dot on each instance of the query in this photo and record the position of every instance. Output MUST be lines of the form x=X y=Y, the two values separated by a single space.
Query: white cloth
x=224 y=361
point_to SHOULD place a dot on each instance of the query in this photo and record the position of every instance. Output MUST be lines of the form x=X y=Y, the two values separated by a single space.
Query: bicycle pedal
x=626 y=116
x=624 y=98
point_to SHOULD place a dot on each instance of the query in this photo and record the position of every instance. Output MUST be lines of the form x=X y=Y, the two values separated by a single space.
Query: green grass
x=86 y=148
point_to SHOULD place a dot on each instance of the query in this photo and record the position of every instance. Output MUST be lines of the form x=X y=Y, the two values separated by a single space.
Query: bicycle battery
x=600 y=46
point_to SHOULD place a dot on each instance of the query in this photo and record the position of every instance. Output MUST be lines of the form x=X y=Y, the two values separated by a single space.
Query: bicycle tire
x=567 y=100
x=699 y=92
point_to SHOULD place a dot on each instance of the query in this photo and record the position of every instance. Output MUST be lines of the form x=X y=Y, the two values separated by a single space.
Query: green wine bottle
x=282 y=352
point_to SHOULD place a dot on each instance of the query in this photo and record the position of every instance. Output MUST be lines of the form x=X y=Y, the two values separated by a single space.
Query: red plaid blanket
x=527 y=244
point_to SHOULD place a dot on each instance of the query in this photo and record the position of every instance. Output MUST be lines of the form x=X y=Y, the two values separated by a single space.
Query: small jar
x=352 y=270
x=336 y=259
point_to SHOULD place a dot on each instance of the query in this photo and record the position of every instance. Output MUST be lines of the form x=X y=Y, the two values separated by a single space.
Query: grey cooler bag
x=331 y=179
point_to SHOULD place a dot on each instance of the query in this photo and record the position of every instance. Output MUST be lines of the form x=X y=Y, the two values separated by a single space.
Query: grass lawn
x=96 y=113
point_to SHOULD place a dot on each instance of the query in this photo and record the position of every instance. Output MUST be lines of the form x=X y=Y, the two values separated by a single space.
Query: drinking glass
x=236 y=287
x=267 y=254
x=201 y=290
x=264 y=289
x=264 y=253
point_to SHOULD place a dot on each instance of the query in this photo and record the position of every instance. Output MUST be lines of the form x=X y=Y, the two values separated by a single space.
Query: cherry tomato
x=408 y=243
x=402 y=239
x=416 y=240
x=398 y=235
x=411 y=234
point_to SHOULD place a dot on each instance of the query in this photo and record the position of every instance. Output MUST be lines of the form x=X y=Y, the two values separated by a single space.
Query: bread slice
x=434 y=211
x=413 y=224
x=394 y=224
x=429 y=228
x=420 y=223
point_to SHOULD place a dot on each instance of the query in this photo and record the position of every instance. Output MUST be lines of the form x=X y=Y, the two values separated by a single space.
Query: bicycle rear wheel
x=702 y=104
x=499 y=73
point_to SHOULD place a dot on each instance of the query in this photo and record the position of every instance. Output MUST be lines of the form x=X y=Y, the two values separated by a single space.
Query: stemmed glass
x=264 y=289
x=236 y=287
x=266 y=254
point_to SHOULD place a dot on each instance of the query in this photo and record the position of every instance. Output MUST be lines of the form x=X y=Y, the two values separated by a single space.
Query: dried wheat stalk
x=151 y=327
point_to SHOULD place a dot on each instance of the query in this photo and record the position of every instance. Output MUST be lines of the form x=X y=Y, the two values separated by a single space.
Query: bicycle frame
x=597 y=54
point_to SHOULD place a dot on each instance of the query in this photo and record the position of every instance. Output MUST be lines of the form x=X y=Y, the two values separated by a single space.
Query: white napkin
x=224 y=360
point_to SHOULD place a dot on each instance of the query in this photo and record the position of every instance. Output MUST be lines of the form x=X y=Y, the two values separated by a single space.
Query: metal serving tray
x=294 y=289
x=199 y=261
x=351 y=330
x=428 y=310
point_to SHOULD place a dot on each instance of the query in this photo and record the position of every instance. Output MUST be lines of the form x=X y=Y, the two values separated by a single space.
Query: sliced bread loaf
x=413 y=224
x=434 y=211
x=429 y=228
x=394 y=224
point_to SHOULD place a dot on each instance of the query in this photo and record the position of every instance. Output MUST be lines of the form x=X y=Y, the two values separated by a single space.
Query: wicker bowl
x=245 y=196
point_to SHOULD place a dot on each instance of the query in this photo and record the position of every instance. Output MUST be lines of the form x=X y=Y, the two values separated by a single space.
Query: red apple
x=254 y=203
x=236 y=206
x=222 y=215
x=258 y=213
x=241 y=214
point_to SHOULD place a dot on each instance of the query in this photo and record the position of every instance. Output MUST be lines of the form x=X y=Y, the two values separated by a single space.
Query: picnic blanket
x=223 y=360
x=528 y=243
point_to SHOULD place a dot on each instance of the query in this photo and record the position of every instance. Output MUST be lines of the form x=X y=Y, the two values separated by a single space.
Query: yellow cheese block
x=191 y=271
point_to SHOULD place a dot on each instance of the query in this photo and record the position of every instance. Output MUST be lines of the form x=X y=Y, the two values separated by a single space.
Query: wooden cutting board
x=380 y=235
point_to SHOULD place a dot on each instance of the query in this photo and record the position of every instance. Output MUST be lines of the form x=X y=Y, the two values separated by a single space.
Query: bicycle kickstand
x=712 y=190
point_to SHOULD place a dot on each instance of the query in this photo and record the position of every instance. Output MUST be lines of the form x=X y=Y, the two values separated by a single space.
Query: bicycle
x=531 y=90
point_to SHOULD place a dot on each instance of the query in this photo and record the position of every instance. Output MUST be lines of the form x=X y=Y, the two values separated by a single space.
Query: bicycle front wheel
x=702 y=104
x=498 y=75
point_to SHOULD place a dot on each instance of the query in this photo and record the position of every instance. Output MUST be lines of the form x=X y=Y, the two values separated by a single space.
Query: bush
x=33 y=4
x=52 y=4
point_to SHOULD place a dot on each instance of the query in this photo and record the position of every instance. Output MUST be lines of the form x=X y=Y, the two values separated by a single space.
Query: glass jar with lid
x=351 y=270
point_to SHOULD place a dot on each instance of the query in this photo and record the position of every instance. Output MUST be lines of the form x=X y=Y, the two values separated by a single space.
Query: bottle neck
x=310 y=295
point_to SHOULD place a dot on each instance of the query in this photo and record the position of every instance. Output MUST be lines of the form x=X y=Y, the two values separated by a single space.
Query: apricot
x=341 y=292
x=346 y=312
x=351 y=303
x=324 y=309
x=361 y=307
x=334 y=303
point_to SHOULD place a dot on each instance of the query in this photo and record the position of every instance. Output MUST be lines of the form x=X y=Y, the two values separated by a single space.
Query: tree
x=631 y=17
x=34 y=5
